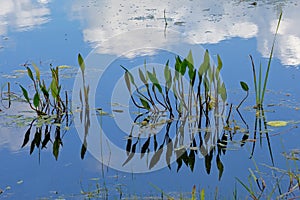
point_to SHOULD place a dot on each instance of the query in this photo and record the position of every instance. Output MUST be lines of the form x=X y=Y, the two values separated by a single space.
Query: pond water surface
x=113 y=33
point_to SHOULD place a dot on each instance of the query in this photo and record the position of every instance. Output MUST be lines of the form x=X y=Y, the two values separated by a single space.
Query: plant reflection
x=194 y=123
x=52 y=114
x=85 y=108
x=196 y=117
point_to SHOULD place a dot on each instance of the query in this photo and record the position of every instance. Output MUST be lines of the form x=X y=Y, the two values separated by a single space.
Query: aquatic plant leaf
x=26 y=137
x=127 y=81
x=244 y=86
x=190 y=59
x=168 y=75
x=155 y=142
x=183 y=67
x=219 y=67
x=83 y=149
x=46 y=139
x=223 y=92
x=208 y=159
x=131 y=153
x=270 y=60
x=142 y=77
x=154 y=80
x=37 y=71
x=128 y=145
x=45 y=91
x=32 y=146
x=220 y=166
x=205 y=64
x=37 y=137
x=36 y=100
x=156 y=156
x=29 y=72
x=56 y=145
x=277 y=123
x=192 y=160
x=145 y=147
x=177 y=66
x=25 y=93
x=145 y=103
x=169 y=151
x=54 y=88
x=81 y=63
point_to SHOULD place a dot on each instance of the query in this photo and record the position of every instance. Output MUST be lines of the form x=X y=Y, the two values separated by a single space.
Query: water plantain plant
x=51 y=111
x=204 y=92
x=189 y=99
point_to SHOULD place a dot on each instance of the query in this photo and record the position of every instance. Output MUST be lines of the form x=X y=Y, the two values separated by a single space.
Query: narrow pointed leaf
x=29 y=72
x=26 y=137
x=25 y=93
x=36 y=100
x=156 y=157
x=81 y=63
x=37 y=71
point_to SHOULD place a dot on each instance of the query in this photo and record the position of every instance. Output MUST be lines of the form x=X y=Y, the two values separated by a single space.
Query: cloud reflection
x=23 y=14
x=204 y=21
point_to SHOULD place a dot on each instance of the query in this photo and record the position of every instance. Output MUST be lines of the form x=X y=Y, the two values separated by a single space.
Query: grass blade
x=270 y=59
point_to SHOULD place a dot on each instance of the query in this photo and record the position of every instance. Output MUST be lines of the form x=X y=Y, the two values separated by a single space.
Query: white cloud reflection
x=23 y=14
x=204 y=21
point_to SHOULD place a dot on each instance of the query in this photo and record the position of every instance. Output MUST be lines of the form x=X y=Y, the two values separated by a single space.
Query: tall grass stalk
x=259 y=90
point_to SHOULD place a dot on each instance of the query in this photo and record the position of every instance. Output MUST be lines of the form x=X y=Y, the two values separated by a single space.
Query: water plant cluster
x=205 y=87
x=195 y=111
x=51 y=108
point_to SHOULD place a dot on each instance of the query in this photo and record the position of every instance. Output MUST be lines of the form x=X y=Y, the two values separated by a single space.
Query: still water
x=113 y=33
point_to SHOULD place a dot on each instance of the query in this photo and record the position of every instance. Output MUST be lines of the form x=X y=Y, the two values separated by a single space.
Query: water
x=47 y=32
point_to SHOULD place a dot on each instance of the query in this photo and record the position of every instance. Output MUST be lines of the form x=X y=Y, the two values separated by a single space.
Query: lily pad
x=277 y=123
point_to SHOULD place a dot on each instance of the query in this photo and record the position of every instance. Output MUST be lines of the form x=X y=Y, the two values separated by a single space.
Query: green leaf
x=29 y=72
x=183 y=67
x=37 y=71
x=220 y=65
x=81 y=63
x=222 y=92
x=36 y=100
x=56 y=145
x=190 y=59
x=168 y=75
x=205 y=65
x=45 y=91
x=25 y=93
x=154 y=80
x=244 y=86
x=127 y=81
x=145 y=103
x=54 y=88
x=142 y=77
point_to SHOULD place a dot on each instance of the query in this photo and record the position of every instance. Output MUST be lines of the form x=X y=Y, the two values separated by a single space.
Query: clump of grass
x=260 y=87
